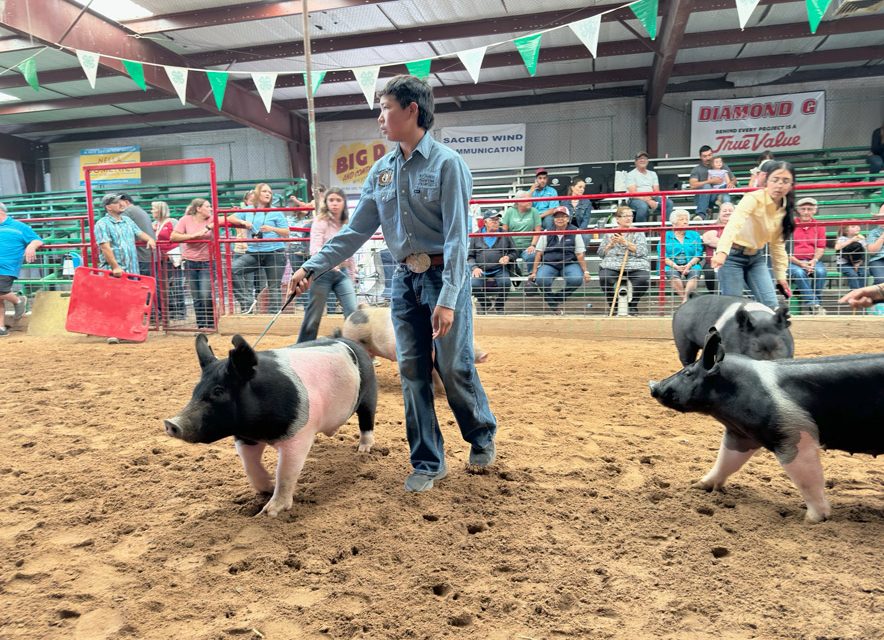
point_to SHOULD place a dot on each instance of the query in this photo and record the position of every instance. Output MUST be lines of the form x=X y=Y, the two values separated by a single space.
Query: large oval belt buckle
x=418 y=262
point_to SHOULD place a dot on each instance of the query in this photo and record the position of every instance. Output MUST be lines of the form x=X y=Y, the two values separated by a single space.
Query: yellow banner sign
x=111 y=155
x=351 y=161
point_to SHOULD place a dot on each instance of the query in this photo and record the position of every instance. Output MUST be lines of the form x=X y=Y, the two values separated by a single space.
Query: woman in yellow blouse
x=763 y=218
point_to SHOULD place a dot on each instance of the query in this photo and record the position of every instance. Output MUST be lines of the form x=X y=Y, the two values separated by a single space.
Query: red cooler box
x=102 y=305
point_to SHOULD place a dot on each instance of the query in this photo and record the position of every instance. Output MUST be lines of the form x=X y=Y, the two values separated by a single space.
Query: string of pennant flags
x=586 y=30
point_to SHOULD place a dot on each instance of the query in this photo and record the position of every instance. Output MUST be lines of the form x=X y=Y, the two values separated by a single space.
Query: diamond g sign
x=751 y=125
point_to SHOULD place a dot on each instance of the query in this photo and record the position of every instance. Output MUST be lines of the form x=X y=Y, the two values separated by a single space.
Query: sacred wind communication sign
x=111 y=155
x=784 y=122
x=488 y=146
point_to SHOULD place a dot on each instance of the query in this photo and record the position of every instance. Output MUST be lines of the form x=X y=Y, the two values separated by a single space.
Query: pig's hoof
x=261 y=486
x=366 y=440
x=709 y=485
x=815 y=517
x=274 y=507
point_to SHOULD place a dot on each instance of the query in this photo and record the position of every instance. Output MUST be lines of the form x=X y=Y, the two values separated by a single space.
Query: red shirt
x=806 y=239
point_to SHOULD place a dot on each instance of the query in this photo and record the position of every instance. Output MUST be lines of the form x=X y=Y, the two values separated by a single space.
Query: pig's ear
x=744 y=320
x=713 y=353
x=783 y=317
x=242 y=359
x=204 y=351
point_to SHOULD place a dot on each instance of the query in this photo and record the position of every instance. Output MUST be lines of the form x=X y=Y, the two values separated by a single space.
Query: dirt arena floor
x=586 y=528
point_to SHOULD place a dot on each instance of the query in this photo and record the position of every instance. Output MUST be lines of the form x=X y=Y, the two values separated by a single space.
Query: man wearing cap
x=490 y=259
x=17 y=242
x=115 y=236
x=559 y=255
x=641 y=180
x=541 y=189
x=806 y=269
x=139 y=216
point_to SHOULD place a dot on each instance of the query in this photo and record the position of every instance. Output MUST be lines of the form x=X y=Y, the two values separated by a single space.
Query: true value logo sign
x=751 y=125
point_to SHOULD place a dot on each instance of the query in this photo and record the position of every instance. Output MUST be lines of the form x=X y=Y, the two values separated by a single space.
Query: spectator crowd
x=755 y=239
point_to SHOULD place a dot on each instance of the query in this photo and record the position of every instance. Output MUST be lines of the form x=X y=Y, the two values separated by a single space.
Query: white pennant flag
x=367 y=77
x=89 y=62
x=265 y=82
x=744 y=10
x=472 y=60
x=588 y=32
x=178 y=78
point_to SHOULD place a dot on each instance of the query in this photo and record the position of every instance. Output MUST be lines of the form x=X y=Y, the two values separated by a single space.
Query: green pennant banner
x=136 y=72
x=218 y=82
x=646 y=12
x=816 y=9
x=317 y=77
x=28 y=69
x=529 y=48
x=419 y=68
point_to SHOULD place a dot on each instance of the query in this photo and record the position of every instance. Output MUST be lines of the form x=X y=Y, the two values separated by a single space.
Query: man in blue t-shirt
x=541 y=189
x=17 y=242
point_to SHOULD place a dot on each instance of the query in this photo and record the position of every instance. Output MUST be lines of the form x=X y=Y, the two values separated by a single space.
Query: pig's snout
x=173 y=428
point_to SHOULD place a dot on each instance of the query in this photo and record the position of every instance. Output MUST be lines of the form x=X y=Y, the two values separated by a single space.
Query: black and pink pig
x=791 y=407
x=281 y=398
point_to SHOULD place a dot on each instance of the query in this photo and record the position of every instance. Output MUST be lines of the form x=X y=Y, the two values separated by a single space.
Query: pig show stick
x=619 y=280
x=307 y=275
x=274 y=319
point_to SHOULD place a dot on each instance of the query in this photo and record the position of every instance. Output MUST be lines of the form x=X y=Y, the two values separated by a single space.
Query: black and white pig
x=792 y=407
x=748 y=328
x=281 y=397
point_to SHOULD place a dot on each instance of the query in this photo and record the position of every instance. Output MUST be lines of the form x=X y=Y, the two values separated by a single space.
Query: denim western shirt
x=421 y=205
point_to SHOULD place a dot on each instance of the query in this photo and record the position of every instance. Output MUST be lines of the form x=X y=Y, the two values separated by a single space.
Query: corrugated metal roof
x=407 y=24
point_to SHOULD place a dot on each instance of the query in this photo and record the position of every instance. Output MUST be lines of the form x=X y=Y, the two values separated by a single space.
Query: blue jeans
x=491 y=287
x=336 y=281
x=876 y=163
x=199 y=281
x=546 y=273
x=642 y=210
x=752 y=270
x=876 y=268
x=247 y=265
x=529 y=260
x=414 y=299
x=856 y=276
x=809 y=287
x=706 y=201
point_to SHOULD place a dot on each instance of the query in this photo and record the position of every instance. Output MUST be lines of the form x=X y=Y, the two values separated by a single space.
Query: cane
x=619 y=280
x=292 y=296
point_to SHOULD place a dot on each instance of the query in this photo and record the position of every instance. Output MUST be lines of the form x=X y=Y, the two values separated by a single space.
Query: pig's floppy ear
x=204 y=351
x=242 y=359
x=713 y=352
x=744 y=320
x=783 y=317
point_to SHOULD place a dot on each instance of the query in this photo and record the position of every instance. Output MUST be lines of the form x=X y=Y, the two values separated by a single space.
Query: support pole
x=311 y=113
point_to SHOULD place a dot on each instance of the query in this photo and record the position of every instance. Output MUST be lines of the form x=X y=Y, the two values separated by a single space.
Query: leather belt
x=746 y=251
x=420 y=262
